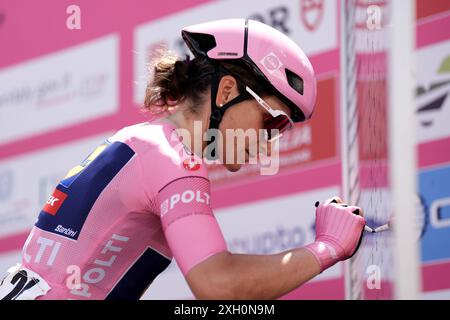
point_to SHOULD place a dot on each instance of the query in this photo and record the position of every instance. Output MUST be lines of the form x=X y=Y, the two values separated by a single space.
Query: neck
x=190 y=127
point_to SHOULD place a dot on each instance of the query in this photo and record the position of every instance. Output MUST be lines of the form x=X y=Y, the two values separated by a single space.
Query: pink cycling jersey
x=115 y=221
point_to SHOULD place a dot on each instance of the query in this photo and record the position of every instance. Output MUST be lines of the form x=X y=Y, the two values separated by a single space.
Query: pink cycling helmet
x=267 y=51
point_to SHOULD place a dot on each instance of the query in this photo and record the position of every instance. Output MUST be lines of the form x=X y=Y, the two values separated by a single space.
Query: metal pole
x=349 y=129
x=402 y=147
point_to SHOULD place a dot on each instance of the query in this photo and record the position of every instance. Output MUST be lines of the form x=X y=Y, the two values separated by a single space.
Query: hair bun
x=179 y=81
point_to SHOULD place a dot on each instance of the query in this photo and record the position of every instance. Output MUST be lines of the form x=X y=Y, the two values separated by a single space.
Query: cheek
x=243 y=116
x=237 y=118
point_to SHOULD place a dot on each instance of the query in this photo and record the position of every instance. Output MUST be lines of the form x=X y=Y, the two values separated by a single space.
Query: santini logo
x=67 y=231
x=187 y=196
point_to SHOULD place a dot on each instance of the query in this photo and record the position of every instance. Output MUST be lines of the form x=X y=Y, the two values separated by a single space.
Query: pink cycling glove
x=339 y=230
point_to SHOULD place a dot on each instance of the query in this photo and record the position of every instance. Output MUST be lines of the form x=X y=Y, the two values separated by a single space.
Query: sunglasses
x=275 y=122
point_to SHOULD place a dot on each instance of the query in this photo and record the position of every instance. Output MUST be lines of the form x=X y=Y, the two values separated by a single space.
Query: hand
x=339 y=230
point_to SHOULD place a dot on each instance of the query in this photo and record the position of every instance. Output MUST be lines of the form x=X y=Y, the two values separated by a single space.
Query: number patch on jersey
x=22 y=284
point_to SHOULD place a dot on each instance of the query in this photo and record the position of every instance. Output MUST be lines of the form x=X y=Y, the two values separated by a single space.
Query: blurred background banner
x=74 y=72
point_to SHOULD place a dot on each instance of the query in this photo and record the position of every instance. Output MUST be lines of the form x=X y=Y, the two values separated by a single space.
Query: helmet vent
x=199 y=43
x=295 y=81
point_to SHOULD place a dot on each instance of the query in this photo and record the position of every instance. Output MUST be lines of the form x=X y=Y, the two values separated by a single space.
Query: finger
x=336 y=200
x=357 y=210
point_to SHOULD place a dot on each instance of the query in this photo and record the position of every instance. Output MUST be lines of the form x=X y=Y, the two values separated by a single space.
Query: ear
x=227 y=90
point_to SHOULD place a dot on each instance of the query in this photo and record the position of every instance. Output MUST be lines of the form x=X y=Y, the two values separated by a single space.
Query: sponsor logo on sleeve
x=185 y=197
x=54 y=202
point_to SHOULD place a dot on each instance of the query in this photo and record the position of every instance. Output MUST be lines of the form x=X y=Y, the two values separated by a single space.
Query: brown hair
x=175 y=81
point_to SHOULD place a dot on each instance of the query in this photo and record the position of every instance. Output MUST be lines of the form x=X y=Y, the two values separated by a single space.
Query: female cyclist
x=143 y=197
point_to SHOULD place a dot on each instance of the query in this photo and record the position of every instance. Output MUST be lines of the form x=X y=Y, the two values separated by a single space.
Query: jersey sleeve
x=189 y=225
x=176 y=182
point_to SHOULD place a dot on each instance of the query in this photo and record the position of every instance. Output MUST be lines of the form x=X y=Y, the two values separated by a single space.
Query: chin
x=233 y=167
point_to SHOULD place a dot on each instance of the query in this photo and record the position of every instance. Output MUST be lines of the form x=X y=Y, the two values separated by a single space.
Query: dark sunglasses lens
x=280 y=122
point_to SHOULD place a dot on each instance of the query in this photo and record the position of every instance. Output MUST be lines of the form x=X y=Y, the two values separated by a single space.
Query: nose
x=269 y=148
x=265 y=147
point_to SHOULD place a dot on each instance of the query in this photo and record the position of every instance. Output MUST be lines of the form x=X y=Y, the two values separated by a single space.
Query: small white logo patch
x=271 y=62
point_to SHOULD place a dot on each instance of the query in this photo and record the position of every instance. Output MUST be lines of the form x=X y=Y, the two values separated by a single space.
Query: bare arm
x=339 y=230
x=242 y=276
x=197 y=244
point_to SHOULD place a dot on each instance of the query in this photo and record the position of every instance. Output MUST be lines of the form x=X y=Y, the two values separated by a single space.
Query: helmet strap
x=216 y=112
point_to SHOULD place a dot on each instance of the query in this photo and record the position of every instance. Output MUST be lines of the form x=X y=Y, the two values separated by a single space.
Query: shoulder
x=140 y=136
x=162 y=155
